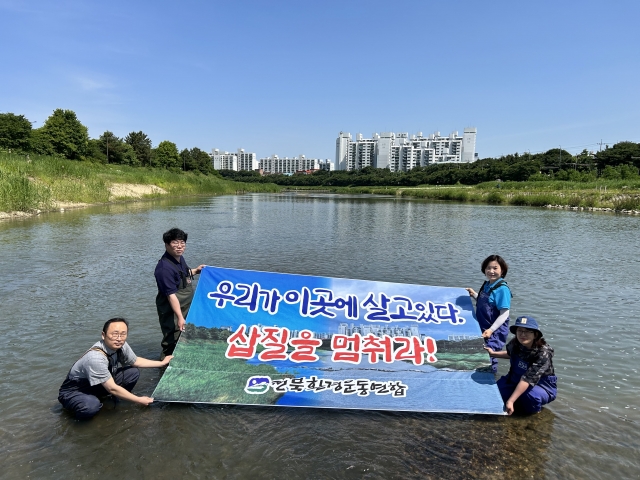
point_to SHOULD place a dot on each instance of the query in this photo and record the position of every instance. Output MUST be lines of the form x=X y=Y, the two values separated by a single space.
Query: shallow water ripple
x=577 y=273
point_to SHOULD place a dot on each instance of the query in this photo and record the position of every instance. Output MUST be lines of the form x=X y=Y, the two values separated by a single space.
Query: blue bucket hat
x=526 y=322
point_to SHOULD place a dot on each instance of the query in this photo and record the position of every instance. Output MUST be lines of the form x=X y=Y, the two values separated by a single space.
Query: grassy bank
x=617 y=195
x=200 y=372
x=39 y=182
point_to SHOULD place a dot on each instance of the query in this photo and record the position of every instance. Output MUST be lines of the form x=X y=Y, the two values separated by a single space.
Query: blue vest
x=486 y=313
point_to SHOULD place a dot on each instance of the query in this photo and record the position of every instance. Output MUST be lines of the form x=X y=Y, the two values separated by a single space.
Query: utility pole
x=107 y=148
x=560 y=153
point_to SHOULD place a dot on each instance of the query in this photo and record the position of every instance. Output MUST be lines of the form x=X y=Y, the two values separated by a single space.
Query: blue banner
x=261 y=338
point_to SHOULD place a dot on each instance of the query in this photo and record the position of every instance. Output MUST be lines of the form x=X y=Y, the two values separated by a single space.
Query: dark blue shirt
x=167 y=274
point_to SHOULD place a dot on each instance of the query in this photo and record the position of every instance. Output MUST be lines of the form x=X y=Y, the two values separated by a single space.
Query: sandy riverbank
x=117 y=192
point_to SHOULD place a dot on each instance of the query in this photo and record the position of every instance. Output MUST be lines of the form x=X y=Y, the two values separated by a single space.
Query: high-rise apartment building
x=240 y=160
x=401 y=152
x=286 y=165
x=224 y=160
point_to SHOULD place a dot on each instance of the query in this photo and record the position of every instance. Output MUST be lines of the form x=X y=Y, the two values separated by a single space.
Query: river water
x=66 y=273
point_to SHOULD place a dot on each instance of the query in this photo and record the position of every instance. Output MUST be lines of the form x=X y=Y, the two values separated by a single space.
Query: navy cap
x=526 y=322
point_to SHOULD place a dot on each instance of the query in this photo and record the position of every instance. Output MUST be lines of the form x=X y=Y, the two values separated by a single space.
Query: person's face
x=176 y=247
x=525 y=336
x=493 y=271
x=116 y=335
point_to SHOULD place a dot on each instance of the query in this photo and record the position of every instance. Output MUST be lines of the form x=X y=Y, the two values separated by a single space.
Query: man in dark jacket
x=175 y=288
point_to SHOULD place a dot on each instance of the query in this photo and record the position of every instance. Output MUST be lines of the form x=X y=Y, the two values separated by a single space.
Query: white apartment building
x=401 y=152
x=247 y=161
x=224 y=160
x=286 y=165
x=240 y=160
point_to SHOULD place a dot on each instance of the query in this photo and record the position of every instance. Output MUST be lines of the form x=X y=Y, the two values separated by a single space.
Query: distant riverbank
x=33 y=184
x=610 y=195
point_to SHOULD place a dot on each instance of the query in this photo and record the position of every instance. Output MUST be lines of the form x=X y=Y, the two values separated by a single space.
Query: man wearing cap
x=109 y=367
x=175 y=288
x=531 y=381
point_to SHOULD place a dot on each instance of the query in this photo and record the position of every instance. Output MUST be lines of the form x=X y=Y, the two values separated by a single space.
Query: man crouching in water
x=107 y=368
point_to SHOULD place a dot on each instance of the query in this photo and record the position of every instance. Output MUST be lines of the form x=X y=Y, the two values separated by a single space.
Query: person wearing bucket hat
x=531 y=381
x=493 y=302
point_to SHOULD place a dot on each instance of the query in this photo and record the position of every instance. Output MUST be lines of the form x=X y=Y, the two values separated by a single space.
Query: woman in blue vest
x=531 y=381
x=493 y=302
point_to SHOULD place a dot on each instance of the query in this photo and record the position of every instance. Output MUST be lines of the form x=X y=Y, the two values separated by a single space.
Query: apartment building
x=288 y=166
x=224 y=160
x=401 y=152
x=239 y=160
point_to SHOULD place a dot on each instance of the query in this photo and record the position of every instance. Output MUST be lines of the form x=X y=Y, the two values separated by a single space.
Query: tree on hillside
x=110 y=146
x=620 y=154
x=39 y=142
x=117 y=151
x=196 y=160
x=166 y=156
x=65 y=134
x=15 y=131
x=95 y=151
x=141 y=145
x=556 y=157
x=129 y=156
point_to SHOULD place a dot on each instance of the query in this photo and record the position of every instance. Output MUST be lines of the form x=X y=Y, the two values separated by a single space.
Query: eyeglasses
x=524 y=331
x=178 y=243
x=116 y=335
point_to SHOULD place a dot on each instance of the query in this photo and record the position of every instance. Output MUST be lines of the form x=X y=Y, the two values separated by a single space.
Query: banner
x=260 y=338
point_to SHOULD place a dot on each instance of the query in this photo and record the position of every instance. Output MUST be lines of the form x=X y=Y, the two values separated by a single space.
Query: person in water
x=109 y=367
x=531 y=381
x=493 y=302
x=175 y=288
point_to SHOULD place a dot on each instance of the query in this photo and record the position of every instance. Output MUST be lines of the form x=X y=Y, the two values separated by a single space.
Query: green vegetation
x=611 y=194
x=58 y=162
x=63 y=135
x=200 y=372
x=620 y=162
x=462 y=361
x=607 y=179
x=35 y=182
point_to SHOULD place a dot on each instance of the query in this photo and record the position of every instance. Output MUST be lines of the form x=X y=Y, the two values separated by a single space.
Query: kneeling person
x=109 y=367
x=531 y=381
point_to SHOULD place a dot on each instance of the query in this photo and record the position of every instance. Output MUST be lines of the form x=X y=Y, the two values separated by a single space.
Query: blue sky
x=286 y=77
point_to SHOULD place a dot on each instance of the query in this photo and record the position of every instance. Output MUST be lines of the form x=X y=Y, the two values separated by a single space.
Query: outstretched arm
x=520 y=389
x=494 y=354
x=502 y=317
x=197 y=270
x=146 y=363
x=472 y=292
x=117 y=391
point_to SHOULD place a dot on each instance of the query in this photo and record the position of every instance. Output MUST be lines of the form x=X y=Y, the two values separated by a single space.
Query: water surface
x=65 y=274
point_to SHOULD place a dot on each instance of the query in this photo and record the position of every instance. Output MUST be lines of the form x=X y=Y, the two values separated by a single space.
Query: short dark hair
x=174 y=234
x=114 y=320
x=495 y=258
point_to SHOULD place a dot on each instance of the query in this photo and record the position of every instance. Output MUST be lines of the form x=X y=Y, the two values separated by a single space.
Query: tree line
x=621 y=161
x=62 y=134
